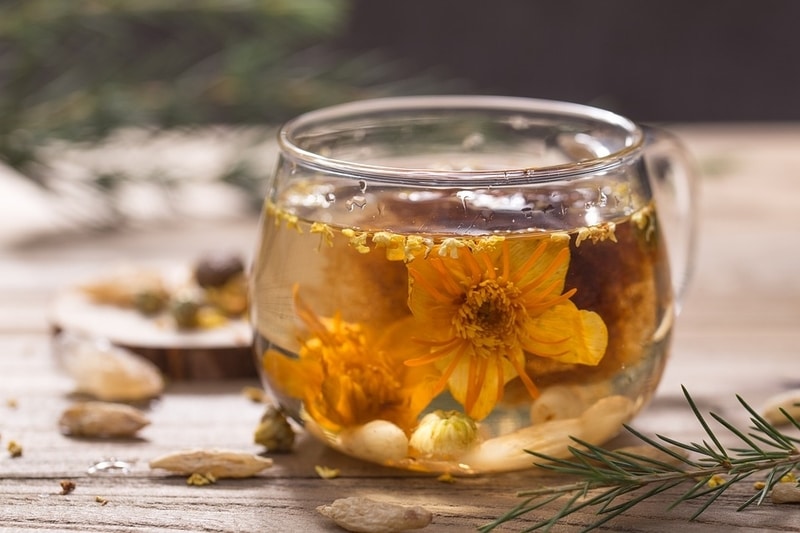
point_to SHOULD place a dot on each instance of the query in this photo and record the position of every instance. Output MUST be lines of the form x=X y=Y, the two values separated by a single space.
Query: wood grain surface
x=738 y=333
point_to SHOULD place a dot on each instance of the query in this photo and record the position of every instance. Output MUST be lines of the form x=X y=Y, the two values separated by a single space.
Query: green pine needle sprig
x=613 y=482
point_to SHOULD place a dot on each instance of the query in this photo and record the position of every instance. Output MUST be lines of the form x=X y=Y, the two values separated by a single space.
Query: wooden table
x=738 y=333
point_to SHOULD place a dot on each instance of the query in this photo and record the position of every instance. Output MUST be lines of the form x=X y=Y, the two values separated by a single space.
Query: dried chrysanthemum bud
x=102 y=419
x=369 y=516
x=150 y=302
x=14 y=449
x=185 y=308
x=274 y=431
x=217 y=463
x=444 y=434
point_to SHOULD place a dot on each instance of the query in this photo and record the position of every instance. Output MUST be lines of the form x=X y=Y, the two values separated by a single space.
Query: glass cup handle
x=673 y=177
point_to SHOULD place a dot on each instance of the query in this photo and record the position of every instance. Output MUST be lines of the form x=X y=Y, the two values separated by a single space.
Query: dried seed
x=122 y=288
x=379 y=441
x=785 y=493
x=789 y=401
x=359 y=514
x=102 y=419
x=108 y=372
x=566 y=401
x=217 y=463
x=100 y=500
x=596 y=425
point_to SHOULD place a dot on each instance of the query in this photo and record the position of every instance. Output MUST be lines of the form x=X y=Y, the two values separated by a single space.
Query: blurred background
x=116 y=113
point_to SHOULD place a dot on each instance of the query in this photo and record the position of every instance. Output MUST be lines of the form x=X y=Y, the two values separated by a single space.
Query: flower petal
x=567 y=334
x=487 y=387
x=539 y=266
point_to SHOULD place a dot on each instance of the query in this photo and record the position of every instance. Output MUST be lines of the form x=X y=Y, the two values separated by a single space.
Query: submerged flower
x=478 y=314
x=346 y=374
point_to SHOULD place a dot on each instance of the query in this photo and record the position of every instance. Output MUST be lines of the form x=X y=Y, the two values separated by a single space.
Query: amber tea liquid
x=434 y=330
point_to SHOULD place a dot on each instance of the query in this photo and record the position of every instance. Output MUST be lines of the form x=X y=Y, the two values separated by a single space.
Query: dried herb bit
x=709 y=470
x=14 y=449
x=67 y=486
x=274 y=432
x=326 y=472
x=200 y=480
x=254 y=394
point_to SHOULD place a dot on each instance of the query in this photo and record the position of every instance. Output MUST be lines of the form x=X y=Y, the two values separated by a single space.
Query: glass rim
x=289 y=147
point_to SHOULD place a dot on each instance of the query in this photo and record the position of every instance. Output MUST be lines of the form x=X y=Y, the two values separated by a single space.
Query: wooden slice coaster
x=217 y=353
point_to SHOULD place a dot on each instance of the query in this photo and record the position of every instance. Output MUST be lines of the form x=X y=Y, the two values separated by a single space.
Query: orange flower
x=346 y=374
x=478 y=312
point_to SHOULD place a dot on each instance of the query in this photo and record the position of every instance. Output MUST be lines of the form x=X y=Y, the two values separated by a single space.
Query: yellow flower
x=347 y=375
x=478 y=314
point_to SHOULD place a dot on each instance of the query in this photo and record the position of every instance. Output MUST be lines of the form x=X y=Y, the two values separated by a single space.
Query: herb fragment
x=67 y=486
x=14 y=449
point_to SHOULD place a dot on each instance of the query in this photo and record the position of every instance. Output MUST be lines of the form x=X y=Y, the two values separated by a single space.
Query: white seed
x=102 y=419
x=377 y=441
x=217 y=463
x=566 y=401
x=599 y=423
x=789 y=401
x=360 y=514
x=108 y=372
x=785 y=493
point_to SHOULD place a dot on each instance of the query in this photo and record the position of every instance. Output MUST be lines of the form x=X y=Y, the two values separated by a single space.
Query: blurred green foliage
x=78 y=70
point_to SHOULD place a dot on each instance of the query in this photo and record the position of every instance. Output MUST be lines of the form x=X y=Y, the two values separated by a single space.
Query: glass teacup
x=442 y=283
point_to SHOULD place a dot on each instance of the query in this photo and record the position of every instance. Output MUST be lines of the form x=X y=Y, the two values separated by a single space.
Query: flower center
x=488 y=315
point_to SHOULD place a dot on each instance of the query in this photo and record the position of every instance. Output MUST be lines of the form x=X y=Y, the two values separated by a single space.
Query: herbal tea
x=402 y=337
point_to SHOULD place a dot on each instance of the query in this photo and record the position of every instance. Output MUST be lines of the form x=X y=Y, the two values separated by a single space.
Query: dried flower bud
x=444 y=434
x=274 y=431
